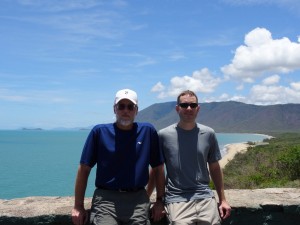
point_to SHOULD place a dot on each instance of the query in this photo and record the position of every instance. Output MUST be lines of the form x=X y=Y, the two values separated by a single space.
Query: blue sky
x=62 y=61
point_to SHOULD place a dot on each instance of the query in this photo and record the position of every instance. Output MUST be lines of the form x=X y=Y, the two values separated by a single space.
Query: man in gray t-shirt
x=191 y=154
x=187 y=153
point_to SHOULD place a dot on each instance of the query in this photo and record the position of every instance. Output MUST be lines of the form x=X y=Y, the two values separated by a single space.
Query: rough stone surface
x=260 y=206
x=257 y=197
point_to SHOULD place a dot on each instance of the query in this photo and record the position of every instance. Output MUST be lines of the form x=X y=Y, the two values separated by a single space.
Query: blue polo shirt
x=122 y=156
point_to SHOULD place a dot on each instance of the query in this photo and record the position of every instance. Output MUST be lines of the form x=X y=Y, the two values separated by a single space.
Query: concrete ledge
x=273 y=206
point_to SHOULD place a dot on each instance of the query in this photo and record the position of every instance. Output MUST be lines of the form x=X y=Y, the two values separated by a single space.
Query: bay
x=44 y=163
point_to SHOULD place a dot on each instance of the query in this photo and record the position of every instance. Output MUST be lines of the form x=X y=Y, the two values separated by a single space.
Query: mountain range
x=230 y=116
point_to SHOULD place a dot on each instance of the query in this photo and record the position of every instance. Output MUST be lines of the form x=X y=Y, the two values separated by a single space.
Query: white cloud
x=200 y=81
x=271 y=80
x=224 y=96
x=33 y=96
x=158 y=87
x=177 y=56
x=240 y=87
x=146 y=62
x=296 y=86
x=238 y=98
x=262 y=54
x=266 y=95
x=78 y=21
x=60 y=5
x=13 y=98
x=291 y=5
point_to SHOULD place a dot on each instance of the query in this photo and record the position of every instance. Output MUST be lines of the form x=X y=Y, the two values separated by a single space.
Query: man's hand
x=224 y=209
x=158 y=211
x=79 y=216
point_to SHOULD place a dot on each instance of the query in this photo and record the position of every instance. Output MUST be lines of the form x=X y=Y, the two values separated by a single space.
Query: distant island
x=25 y=128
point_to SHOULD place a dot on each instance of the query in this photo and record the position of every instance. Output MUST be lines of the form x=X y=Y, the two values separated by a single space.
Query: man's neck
x=124 y=127
x=187 y=126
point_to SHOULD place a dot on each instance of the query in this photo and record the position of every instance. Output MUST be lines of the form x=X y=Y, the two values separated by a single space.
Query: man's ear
x=177 y=108
x=114 y=107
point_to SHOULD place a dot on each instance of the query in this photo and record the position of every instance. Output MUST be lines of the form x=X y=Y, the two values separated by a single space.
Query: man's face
x=186 y=110
x=125 y=112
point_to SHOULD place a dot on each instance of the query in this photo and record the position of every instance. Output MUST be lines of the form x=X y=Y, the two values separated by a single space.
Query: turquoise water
x=44 y=163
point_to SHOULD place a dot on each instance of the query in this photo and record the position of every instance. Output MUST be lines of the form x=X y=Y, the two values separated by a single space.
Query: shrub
x=276 y=164
x=289 y=162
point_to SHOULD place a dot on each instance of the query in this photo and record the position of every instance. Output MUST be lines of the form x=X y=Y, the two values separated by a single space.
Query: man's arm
x=79 y=215
x=151 y=182
x=217 y=177
x=157 y=178
x=159 y=174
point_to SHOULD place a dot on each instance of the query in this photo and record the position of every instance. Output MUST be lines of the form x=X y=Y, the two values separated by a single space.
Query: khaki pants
x=197 y=212
x=120 y=208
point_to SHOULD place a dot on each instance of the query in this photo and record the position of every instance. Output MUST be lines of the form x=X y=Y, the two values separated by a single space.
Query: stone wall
x=249 y=207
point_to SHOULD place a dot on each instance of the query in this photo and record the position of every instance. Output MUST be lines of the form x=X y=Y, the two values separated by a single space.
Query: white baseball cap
x=126 y=94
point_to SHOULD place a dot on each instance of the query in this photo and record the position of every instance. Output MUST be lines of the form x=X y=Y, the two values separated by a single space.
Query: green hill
x=230 y=116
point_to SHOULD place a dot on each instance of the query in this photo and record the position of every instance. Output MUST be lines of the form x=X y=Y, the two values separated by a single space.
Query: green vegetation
x=276 y=164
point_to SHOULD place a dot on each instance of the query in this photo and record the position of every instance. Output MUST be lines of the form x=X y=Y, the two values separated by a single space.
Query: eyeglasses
x=130 y=107
x=186 y=105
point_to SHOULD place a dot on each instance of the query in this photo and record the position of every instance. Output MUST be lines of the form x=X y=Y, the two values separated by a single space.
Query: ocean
x=44 y=163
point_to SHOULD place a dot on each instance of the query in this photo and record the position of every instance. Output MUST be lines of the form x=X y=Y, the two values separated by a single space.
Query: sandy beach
x=232 y=149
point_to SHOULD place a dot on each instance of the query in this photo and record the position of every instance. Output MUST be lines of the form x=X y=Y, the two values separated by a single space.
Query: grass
x=276 y=164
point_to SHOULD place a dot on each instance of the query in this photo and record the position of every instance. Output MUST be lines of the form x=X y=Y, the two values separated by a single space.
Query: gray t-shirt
x=186 y=156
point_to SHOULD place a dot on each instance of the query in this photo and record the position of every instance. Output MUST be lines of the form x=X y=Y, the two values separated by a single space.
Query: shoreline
x=231 y=151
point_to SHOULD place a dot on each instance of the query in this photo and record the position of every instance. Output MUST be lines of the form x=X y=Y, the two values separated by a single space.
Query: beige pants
x=197 y=212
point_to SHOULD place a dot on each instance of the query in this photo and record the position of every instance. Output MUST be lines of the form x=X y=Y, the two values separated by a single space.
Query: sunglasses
x=130 y=107
x=186 y=105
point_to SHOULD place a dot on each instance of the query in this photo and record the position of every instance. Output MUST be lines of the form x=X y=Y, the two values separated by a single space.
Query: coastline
x=231 y=151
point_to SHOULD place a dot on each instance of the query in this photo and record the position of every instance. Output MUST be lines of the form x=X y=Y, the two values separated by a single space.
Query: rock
x=277 y=206
x=257 y=197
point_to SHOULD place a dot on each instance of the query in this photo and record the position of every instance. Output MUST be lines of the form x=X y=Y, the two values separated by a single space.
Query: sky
x=62 y=61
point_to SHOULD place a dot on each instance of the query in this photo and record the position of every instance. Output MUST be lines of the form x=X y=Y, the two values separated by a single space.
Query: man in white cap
x=123 y=152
